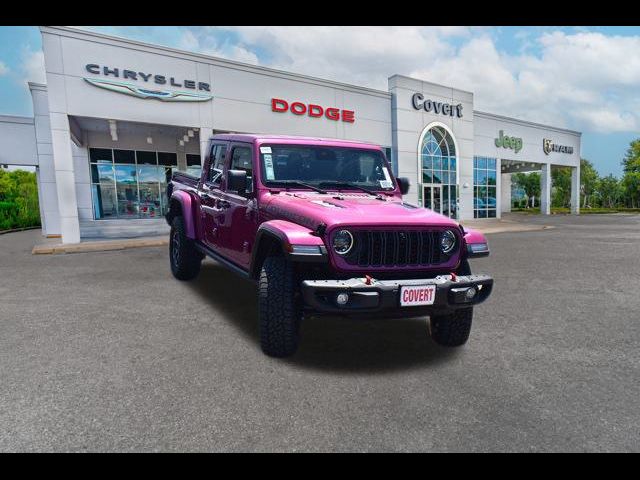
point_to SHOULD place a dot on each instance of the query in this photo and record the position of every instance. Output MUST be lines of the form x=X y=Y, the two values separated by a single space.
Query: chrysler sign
x=548 y=146
x=419 y=103
x=136 y=90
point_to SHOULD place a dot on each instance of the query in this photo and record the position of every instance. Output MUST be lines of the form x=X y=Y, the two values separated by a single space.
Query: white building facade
x=116 y=117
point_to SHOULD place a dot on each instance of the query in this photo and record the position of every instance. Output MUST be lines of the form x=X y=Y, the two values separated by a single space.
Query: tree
x=631 y=178
x=631 y=189
x=609 y=191
x=18 y=200
x=529 y=182
x=588 y=180
x=631 y=161
x=561 y=181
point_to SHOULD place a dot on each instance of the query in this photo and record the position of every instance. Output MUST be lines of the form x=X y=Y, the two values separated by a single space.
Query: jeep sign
x=508 y=142
x=419 y=103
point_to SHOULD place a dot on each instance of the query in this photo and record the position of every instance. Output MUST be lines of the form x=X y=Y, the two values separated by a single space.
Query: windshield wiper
x=288 y=183
x=351 y=185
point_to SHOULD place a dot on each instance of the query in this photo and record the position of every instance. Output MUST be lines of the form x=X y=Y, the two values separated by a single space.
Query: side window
x=218 y=154
x=241 y=160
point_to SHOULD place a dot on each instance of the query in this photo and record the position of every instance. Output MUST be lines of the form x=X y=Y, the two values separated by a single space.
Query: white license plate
x=415 y=295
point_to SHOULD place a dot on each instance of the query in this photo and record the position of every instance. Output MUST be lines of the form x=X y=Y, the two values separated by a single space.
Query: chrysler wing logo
x=135 y=91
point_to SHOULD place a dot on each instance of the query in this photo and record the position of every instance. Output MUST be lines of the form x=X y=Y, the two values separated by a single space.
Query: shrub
x=19 y=206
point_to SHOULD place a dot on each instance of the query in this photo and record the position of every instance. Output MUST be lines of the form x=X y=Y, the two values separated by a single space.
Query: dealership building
x=117 y=116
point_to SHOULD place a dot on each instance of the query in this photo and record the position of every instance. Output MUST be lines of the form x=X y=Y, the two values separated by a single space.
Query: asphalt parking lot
x=107 y=352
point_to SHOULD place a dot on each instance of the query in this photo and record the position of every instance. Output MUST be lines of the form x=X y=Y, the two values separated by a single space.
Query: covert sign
x=419 y=103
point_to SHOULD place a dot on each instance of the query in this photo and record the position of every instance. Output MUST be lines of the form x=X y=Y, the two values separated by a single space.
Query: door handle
x=205 y=196
x=223 y=204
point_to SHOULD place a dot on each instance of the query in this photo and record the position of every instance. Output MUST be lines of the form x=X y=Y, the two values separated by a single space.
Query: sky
x=581 y=78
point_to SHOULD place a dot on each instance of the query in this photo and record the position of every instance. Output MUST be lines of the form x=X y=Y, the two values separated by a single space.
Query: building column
x=43 y=219
x=205 y=133
x=65 y=178
x=545 y=189
x=575 y=190
x=181 y=156
x=47 y=195
x=505 y=192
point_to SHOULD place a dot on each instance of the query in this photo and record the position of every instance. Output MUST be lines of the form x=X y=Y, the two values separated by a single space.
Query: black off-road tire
x=452 y=330
x=464 y=268
x=184 y=258
x=278 y=308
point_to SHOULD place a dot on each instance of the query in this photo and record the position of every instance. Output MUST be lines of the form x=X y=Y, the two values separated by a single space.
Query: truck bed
x=180 y=181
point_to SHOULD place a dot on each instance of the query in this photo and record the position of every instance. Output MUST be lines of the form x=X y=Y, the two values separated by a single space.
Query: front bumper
x=383 y=296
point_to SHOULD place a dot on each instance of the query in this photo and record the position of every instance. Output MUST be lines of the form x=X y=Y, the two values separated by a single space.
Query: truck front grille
x=396 y=248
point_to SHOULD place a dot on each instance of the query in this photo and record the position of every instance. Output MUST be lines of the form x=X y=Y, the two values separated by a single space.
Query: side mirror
x=404 y=184
x=237 y=181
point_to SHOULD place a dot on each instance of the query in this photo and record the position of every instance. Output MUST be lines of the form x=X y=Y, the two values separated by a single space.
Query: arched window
x=439 y=167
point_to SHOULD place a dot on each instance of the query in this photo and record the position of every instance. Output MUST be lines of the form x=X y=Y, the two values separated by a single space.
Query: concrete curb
x=503 y=226
x=21 y=229
x=100 y=245
x=523 y=228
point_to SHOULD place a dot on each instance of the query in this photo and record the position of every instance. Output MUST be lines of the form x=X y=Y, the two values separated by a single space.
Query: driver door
x=239 y=213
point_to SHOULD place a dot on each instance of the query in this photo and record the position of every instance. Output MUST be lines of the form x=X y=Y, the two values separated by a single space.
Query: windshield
x=324 y=166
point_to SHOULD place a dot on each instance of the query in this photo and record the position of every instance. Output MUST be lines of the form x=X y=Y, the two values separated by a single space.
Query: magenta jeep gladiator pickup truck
x=321 y=226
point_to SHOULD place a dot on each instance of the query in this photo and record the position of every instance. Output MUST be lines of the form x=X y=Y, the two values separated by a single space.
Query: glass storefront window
x=439 y=172
x=484 y=179
x=130 y=184
x=149 y=179
x=104 y=202
x=146 y=158
x=127 y=190
x=491 y=177
x=193 y=164
x=100 y=155
x=167 y=159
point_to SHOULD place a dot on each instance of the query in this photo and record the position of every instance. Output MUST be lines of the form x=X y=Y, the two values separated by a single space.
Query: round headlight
x=448 y=241
x=342 y=242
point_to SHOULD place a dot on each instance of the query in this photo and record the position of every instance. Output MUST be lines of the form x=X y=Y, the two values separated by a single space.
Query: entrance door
x=432 y=195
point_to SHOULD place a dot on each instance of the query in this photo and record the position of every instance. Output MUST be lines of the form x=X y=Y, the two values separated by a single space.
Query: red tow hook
x=368 y=280
x=454 y=277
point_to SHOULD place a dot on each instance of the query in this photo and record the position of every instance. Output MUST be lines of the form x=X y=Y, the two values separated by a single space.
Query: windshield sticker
x=268 y=166
x=386 y=183
x=265 y=149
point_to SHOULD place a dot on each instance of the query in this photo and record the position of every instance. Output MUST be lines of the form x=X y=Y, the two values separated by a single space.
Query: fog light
x=471 y=292
x=342 y=298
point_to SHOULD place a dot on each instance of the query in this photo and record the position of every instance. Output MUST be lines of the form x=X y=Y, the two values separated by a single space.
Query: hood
x=348 y=209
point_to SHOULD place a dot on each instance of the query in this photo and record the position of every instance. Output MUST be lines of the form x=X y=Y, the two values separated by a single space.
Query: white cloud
x=209 y=45
x=33 y=66
x=3 y=69
x=582 y=80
